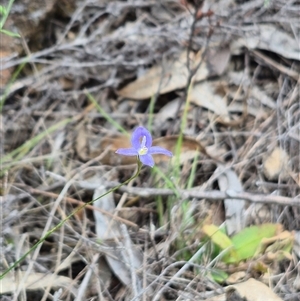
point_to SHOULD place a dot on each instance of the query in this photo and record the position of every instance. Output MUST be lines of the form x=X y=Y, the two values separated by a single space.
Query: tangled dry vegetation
x=225 y=74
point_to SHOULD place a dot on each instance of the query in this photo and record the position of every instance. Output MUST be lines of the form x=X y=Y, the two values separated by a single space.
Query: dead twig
x=214 y=195
x=80 y=203
x=289 y=72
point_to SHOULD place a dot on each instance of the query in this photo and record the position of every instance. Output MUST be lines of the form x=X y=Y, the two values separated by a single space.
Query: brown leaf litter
x=224 y=74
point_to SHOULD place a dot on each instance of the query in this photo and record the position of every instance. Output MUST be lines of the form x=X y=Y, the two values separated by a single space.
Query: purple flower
x=141 y=142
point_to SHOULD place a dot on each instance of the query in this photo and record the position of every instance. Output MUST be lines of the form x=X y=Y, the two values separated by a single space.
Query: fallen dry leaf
x=110 y=231
x=81 y=142
x=276 y=164
x=234 y=209
x=278 y=247
x=34 y=281
x=204 y=95
x=168 y=111
x=251 y=290
x=111 y=143
x=217 y=298
x=218 y=59
x=174 y=75
x=267 y=37
x=106 y=227
x=236 y=277
x=188 y=151
x=89 y=146
x=164 y=78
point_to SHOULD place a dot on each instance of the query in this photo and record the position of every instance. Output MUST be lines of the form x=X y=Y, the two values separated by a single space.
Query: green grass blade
x=11 y=81
x=40 y=241
x=193 y=172
x=180 y=137
x=105 y=115
x=6 y=13
x=151 y=110
x=10 y=33
x=22 y=150
x=168 y=182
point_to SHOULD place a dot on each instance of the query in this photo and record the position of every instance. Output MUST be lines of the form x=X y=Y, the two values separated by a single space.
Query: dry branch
x=80 y=203
x=214 y=195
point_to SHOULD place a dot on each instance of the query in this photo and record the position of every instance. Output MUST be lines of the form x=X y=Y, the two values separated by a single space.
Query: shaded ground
x=222 y=78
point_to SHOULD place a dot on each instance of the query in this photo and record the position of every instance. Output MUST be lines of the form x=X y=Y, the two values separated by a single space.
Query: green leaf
x=248 y=241
x=220 y=239
x=3 y=10
x=10 y=33
x=217 y=236
x=6 y=10
x=218 y=276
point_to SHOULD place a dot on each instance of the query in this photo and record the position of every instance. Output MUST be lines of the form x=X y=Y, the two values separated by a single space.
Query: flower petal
x=127 y=151
x=147 y=160
x=159 y=150
x=138 y=135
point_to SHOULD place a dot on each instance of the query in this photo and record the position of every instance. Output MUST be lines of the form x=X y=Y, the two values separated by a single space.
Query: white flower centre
x=143 y=149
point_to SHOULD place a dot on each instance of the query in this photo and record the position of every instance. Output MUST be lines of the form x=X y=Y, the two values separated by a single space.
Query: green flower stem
x=68 y=217
x=105 y=115
x=5 y=13
x=7 y=10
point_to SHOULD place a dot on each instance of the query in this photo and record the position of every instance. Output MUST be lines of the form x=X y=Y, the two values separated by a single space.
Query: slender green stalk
x=5 y=12
x=151 y=109
x=193 y=172
x=11 y=81
x=105 y=115
x=181 y=243
x=67 y=218
x=267 y=3
x=22 y=150
x=180 y=137
x=160 y=210
x=169 y=183
x=170 y=200
x=187 y=218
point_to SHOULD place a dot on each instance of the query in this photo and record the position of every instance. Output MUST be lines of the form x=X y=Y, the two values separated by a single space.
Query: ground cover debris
x=214 y=82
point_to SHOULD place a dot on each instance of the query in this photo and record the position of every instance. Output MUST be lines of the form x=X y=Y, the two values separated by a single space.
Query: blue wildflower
x=141 y=142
